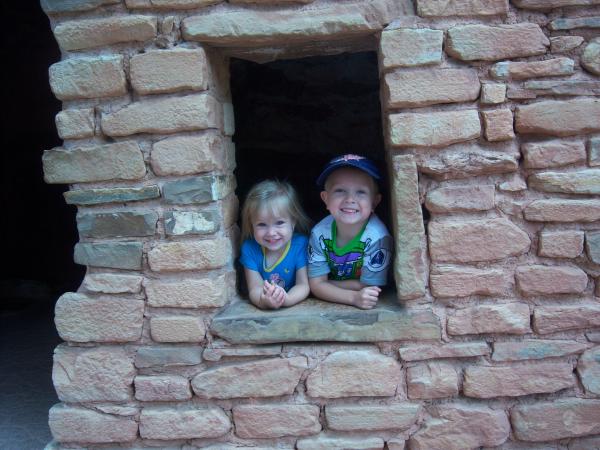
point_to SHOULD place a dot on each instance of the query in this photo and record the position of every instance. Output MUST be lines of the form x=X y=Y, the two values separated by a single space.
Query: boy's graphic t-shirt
x=366 y=257
x=283 y=272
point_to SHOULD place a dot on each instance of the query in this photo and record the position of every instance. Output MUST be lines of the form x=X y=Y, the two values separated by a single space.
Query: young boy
x=349 y=251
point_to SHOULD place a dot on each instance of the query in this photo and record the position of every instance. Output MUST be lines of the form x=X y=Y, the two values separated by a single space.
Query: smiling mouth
x=349 y=211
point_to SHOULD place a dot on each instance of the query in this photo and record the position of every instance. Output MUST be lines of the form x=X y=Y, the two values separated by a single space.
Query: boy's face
x=350 y=196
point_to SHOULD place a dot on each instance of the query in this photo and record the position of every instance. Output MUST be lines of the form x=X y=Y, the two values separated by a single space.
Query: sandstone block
x=272 y=421
x=458 y=350
x=559 y=419
x=435 y=129
x=465 y=281
x=264 y=378
x=410 y=47
x=180 y=223
x=590 y=59
x=432 y=380
x=434 y=8
x=410 y=89
x=209 y=292
x=92 y=374
x=516 y=183
x=168 y=4
x=354 y=373
x=542 y=155
x=458 y=427
x=584 y=443
x=177 y=329
x=535 y=349
x=183 y=423
x=550 y=4
x=570 y=24
x=454 y=199
x=112 y=283
x=563 y=210
x=561 y=244
x=162 y=388
x=534 y=88
x=114 y=255
x=116 y=224
x=200 y=189
x=219 y=349
x=476 y=240
x=84 y=34
x=513 y=381
x=118 y=161
x=585 y=181
x=190 y=255
x=467 y=162
x=323 y=442
x=75 y=123
x=111 y=195
x=592 y=245
x=492 y=43
x=364 y=417
x=75 y=424
x=562 y=44
x=168 y=356
x=588 y=368
x=551 y=319
x=512 y=318
x=79 y=318
x=498 y=125
x=164 y=115
x=60 y=6
x=594 y=151
x=532 y=69
x=164 y=71
x=559 y=118
x=550 y=280
x=493 y=93
x=187 y=155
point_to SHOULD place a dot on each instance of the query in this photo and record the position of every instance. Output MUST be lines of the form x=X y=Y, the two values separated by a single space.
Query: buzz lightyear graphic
x=347 y=265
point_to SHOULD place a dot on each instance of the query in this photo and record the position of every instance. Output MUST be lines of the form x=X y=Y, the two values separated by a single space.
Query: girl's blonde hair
x=276 y=196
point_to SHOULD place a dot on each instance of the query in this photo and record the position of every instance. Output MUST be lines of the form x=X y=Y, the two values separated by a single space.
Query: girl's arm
x=300 y=290
x=256 y=291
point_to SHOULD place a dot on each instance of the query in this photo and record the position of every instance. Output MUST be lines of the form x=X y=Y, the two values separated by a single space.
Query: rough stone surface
x=219 y=349
x=158 y=388
x=208 y=292
x=559 y=118
x=535 y=280
x=551 y=319
x=410 y=89
x=168 y=356
x=163 y=71
x=75 y=424
x=570 y=24
x=459 y=427
x=435 y=129
x=183 y=423
x=476 y=240
x=110 y=195
x=561 y=418
x=92 y=374
x=590 y=443
x=271 y=421
x=493 y=93
x=112 y=283
x=79 y=318
x=177 y=329
x=492 y=43
x=169 y=4
x=594 y=152
x=513 y=381
x=512 y=318
x=265 y=378
x=189 y=255
x=341 y=443
x=562 y=44
x=431 y=380
x=561 y=244
x=532 y=69
x=113 y=255
x=116 y=224
x=585 y=181
x=164 y=115
x=535 y=349
x=468 y=162
x=542 y=155
x=590 y=59
x=435 y=8
x=196 y=190
x=59 y=6
x=458 y=350
x=118 y=161
x=180 y=223
x=563 y=210
x=411 y=47
x=457 y=199
x=75 y=123
x=357 y=418
x=534 y=88
x=592 y=245
x=498 y=125
x=84 y=34
x=465 y=281
x=354 y=373
x=588 y=368
x=409 y=261
x=549 y=4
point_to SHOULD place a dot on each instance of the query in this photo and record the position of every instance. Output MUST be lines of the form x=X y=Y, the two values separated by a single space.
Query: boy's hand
x=367 y=297
x=272 y=296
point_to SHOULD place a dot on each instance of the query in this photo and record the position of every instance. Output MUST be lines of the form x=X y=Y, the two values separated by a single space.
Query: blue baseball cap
x=349 y=160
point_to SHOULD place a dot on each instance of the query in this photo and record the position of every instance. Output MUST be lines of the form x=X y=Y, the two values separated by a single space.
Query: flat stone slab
x=315 y=320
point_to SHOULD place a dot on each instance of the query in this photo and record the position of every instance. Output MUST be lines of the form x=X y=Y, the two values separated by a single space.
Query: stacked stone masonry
x=491 y=113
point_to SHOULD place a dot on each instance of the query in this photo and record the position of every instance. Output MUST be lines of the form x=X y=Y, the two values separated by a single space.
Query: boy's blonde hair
x=276 y=196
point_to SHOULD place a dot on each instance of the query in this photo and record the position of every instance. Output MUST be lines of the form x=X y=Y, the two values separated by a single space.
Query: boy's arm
x=300 y=290
x=364 y=298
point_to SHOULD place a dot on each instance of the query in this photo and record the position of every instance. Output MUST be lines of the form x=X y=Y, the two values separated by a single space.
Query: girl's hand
x=367 y=297
x=273 y=296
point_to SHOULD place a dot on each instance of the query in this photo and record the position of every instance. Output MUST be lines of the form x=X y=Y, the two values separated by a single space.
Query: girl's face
x=272 y=230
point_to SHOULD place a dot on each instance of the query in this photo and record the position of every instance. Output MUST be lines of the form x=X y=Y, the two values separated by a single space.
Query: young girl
x=273 y=256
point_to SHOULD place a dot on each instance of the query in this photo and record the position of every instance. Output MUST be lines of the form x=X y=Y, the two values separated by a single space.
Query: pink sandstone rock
x=169 y=388
x=588 y=368
x=493 y=93
x=590 y=59
x=513 y=381
x=562 y=44
x=586 y=181
x=453 y=199
x=563 y=210
x=177 y=329
x=465 y=281
x=559 y=118
x=188 y=292
x=510 y=318
x=365 y=417
x=453 y=350
x=561 y=244
x=550 y=280
x=532 y=349
x=498 y=125
x=407 y=47
x=354 y=373
x=323 y=442
x=466 y=162
x=542 y=155
x=187 y=155
x=431 y=380
x=532 y=69
x=551 y=319
x=169 y=4
x=272 y=421
x=435 y=8
x=113 y=283
x=188 y=422
x=75 y=123
x=189 y=255
x=549 y=4
x=263 y=378
x=590 y=443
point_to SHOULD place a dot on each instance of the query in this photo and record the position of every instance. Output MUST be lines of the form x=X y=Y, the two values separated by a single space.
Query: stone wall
x=492 y=123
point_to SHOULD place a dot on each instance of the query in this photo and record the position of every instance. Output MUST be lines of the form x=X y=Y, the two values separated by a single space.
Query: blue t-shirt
x=283 y=272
